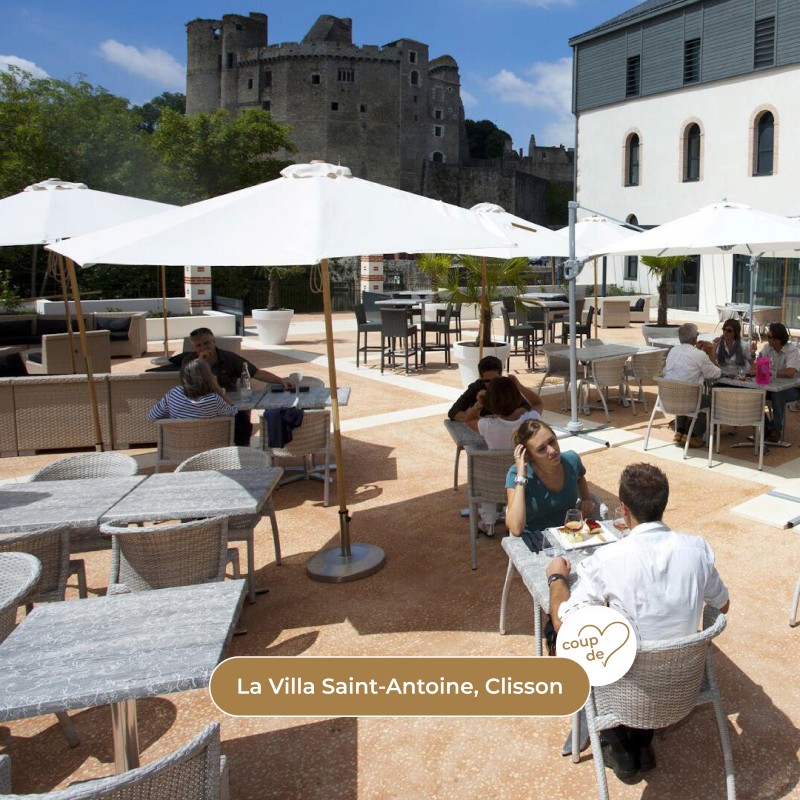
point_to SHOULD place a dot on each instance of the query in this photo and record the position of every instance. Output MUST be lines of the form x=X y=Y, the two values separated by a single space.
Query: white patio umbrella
x=313 y=212
x=721 y=228
x=53 y=210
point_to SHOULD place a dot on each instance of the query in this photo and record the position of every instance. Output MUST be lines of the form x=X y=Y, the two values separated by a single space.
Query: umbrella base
x=330 y=566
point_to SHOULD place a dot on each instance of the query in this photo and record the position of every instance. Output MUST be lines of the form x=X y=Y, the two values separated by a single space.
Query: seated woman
x=543 y=483
x=199 y=395
x=501 y=400
x=733 y=353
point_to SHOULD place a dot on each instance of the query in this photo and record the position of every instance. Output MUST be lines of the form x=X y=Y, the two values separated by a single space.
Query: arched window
x=765 y=144
x=632 y=262
x=437 y=157
x=632 y=154
x=691 y=153
x=414 y=77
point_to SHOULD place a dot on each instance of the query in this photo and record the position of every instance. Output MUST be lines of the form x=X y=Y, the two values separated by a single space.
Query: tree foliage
x=150 y=112
x=485 y=139
x=662 y=267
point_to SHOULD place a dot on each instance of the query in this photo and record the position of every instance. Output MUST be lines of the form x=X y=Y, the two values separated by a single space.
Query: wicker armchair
x=180 y=438
x=738 y=407
x=644 y=368
x=240 y=529
x=679 y=398
x=667 y=680
x=196 y=771
x=557 y=356
x=364 y=326
x=55 y=359
x=795 y=602
x=162 y=556
x=486 y=483
x=89 y=465
x=19 y=574
x=605 y=372
x=312 y=438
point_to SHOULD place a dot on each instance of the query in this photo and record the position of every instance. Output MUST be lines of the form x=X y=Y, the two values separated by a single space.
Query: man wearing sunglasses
x=491 y=367
x=784 y=359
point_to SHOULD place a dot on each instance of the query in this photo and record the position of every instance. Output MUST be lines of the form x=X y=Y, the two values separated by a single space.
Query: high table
x=553 y=311
x=113 y=650
x=80 y=504
x=187 y=495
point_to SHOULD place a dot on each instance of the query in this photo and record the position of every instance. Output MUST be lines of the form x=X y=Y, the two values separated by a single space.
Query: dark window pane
x=633 y=161
x=632 y=76
x=766 y=144
x=764 y=45
x=631 y=268
x=691 y=61
x=692 y=159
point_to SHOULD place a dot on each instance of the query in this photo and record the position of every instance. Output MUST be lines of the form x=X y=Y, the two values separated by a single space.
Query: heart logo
x=614 y=635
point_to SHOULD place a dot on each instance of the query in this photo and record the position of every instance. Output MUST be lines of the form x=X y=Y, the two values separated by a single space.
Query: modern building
x=679 y=104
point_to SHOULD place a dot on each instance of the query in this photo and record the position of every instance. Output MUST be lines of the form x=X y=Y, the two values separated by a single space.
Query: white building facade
x=679 y=104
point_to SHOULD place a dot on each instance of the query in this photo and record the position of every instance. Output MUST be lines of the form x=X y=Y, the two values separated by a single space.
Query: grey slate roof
x=650 y=8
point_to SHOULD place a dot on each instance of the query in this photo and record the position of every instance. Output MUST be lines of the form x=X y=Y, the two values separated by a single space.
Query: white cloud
x=155 y=65
x=22 y=63
x=548 y=89
x=468 y=99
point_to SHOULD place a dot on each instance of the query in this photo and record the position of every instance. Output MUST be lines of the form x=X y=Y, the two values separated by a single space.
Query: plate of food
x=590 y=534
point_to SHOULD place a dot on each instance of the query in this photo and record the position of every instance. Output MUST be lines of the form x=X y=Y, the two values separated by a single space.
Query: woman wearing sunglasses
x=733 y=353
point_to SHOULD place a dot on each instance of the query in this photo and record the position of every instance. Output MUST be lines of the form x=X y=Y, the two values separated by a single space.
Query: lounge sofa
x=55 y=358
x=640 y=308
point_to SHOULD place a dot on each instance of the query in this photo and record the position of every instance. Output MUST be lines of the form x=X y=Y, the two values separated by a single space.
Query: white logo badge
x=601 y=640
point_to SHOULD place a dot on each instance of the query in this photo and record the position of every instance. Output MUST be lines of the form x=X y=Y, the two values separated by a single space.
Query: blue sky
x=513 y=56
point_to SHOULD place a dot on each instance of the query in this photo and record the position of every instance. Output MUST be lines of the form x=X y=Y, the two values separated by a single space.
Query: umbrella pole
x=60 y=261
x=348 y=562
x=482 y=312
x=785 y=288
x=164 y=309
x=594 y=261
x=574 y=425
x=753 y=277
x=73 y=282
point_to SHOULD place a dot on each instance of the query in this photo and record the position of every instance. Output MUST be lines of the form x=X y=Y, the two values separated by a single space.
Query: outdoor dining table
x=189 y=495
x=114 y=650
x=553 y=310
x=315 y=397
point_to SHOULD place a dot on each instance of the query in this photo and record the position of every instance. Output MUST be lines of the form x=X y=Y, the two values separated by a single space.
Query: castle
x=390 y=113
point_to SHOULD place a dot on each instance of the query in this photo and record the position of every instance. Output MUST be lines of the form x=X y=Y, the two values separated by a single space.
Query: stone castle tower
x=384 y=111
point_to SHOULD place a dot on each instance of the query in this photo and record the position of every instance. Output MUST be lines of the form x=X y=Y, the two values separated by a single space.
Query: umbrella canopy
x=312 y=212
x=594 y=233
x=51 y=210
x=719 y=228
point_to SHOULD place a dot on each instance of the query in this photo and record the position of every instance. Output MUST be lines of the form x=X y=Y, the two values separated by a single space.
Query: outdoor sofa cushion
x=638 y=305
x=12 y=365
x=118 y=327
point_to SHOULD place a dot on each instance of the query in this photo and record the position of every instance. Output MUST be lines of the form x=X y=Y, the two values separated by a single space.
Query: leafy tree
x=150 y=112
x=485 y=139
x=662 y=267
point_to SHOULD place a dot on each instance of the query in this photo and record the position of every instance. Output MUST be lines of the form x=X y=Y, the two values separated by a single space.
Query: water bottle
x=245 y=391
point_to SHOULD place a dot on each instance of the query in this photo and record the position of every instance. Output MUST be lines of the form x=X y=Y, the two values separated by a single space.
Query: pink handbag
x=762 y=371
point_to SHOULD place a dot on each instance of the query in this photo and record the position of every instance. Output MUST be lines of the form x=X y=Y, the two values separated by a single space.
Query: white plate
x=609 y=534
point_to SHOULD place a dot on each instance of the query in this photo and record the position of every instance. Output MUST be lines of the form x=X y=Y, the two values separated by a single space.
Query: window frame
x=691 y=61
x=633 y=167
x=760 y=151
x=633 y=76
x=692 y=153
x=764 y=43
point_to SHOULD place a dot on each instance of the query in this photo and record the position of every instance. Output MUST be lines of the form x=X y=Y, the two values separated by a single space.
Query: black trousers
x=242 y=429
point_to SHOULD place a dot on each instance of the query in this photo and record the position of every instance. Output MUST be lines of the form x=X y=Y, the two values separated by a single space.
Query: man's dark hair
x=490 y=364
x=644 y=488
x=778 y=331
x=201 y=332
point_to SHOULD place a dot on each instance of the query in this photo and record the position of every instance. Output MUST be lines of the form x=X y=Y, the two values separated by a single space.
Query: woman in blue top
x=199 y=395
x=544 y=482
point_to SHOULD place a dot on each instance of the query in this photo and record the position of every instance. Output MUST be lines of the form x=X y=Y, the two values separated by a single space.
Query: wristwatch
x=555 y=577
x=520 y=480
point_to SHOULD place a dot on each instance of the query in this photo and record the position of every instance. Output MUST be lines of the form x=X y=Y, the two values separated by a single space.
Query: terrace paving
x=427 y=601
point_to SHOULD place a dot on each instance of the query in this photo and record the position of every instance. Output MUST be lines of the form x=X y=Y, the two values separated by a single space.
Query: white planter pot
x=467 y=355
x=272 y=326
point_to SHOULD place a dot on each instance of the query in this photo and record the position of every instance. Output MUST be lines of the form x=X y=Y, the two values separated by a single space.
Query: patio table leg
x=126 y=735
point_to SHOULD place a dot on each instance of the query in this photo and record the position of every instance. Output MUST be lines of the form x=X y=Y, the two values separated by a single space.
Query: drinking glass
x=296 y=378
x=620 y=523
x=573 y=522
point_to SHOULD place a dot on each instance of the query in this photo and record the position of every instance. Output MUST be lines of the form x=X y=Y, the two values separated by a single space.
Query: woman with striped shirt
x=199 y=395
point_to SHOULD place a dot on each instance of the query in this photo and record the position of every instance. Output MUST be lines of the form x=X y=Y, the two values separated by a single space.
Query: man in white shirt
x=693 y=362
x=658 y=577
x=784 y=358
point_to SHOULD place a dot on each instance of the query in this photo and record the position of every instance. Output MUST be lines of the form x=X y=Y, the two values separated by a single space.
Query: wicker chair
x=738 y=407
x=795 y=602
x=312 y=438
x=363 y=325
x=180 y=438
x=667 y=680
x=514 y=329
x=162 y=556
x=486 y=483
x=644 y=368
x=455 y=317
x=394 y=327
x=442 y=330
x=20 y=580
x=240 y=529
x=557 y=356
x=605 y=372
x=89 y=465
x=678 y=398
x=196 y=771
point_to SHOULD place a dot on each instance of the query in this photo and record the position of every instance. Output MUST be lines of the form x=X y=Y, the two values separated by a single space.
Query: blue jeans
x=779 y=401
x=682 y=423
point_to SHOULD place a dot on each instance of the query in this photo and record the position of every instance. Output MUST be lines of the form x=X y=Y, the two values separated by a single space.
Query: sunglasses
x=727 y=330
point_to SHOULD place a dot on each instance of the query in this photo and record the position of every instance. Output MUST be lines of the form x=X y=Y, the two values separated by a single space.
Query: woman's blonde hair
x=197 y=379
x=529 y=429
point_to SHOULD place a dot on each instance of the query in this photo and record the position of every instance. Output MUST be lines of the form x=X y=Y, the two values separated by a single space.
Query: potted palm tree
x=272 y=322
x=482 y=279
x=661 y=267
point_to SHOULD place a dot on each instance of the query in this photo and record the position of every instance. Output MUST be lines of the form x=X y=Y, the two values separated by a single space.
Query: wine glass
x=573 y=522
x=620 y=523
x=296 y=378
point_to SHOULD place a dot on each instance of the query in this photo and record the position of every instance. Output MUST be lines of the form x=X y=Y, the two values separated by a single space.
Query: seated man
x=491 y=367
x=784 y=356
x=659 y=577
x=693 y=362
x=227 y=369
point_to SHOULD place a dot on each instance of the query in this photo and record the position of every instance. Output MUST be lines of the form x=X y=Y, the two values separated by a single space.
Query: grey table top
x=84 y=653
x=463 y=435
x=206 y=493
x=544 y=296
x=551 y=305
x=315 y=397
x=594 y=352
x=402 y=302
x=77 y=503
x=775 y=385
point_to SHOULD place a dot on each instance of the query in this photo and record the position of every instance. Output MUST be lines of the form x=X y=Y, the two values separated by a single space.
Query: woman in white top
x=199 y=395
x=502 y=400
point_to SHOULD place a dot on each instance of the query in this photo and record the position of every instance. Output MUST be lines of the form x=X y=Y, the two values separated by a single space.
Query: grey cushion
x=44 y=326
x=113 y=324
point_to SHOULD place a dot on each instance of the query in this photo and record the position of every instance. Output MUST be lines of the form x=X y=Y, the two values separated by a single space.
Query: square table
x=188 y=495
x=315 y=397
x=113 y=650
